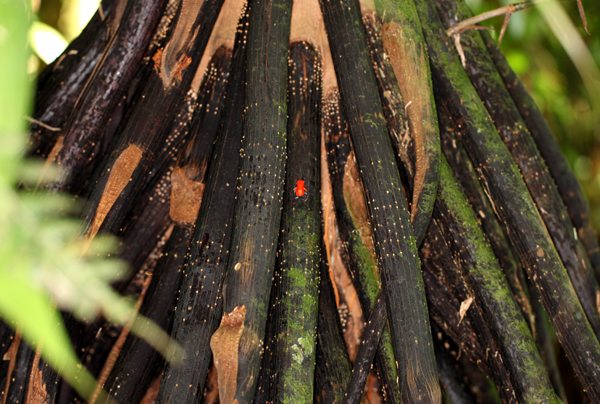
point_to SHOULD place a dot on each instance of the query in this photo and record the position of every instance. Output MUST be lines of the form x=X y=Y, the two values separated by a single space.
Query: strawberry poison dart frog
x=300 y=191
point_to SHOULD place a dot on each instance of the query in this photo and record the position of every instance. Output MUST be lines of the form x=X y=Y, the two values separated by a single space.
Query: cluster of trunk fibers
x=333 y=367
x=393 y=235
x=512 y=203
x=295 y=293
x=259 y=201
x=467 y=178
x=187 y=186
x=83 y=135
x=352 y=218
x=495 y=233
x=494 y=95
x=146 y=131
x=366 y=352
x=138 y=364
x=472 y=252
x=566 y=182
x=454 y=308
x=60 y=84
x=415 y=140
x=199 y=303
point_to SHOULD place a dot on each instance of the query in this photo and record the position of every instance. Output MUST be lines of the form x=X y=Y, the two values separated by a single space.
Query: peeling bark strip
x=492 y=91
x=138 y=364
x=225 y=343
x=392 y=231
x=260 y=185
x=148 y=125
x=61 y=83
x=566 y=182
x=355 y=233
x=404 y=83
x=471 y=250
x=199 y=303
x=18 y=377
x=333 y=368
x=366 y=352
x=295 y=294
x=84 y=130
x=513 y=204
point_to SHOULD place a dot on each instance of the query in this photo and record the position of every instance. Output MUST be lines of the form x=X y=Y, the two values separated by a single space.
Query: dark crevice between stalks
x=366 y=353
x=83 y=134
x=530 y=307
x=513 y=131
x=62 y=81
x=393 y=236
x=200 y=302
x=354 y=229
x=512 y=203
x=566 y=182
x=333 y=367
x=451 y=375
x=238 y=342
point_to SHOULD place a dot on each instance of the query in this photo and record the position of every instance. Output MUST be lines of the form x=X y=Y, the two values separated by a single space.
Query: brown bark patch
x=410 y=67
x=36 y=391
x=186 y=196
x=224 y=344
x=120 y=175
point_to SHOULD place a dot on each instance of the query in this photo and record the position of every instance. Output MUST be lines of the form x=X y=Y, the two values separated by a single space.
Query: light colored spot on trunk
x=464 y=306
x=224 y=344
x=540 y=252
x=186 y=195
x=120 y=175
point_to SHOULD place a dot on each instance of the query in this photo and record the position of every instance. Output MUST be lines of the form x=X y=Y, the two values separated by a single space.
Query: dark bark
x=295 y=294
x=394 y=239
x=83 y=135
x=566 y=182
x=354 y=229
x=64 y=79
x=259 y=201
x=513 y=204
x=199 y=304
x=511 y=128
x=366 y=353
x=333 y=368
x=138 y=363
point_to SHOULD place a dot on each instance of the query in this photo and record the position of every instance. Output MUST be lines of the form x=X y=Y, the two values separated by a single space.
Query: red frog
x=300 y=191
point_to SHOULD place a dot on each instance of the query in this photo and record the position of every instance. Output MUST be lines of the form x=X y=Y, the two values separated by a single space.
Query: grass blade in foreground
x=238 y=342
x=512 y=202
x=393 y=236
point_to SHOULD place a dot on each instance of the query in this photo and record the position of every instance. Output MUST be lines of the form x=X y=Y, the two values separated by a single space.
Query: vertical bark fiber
x=393 y=236
x=295 y=292
x=513 y=204
x=259 y=190
x=333 y=368
x=199 y=304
